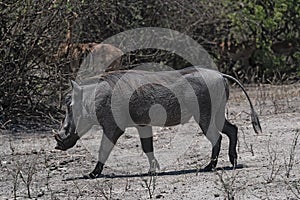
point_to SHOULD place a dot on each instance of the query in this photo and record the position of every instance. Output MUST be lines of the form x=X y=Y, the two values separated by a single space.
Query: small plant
x=18 y=171
x=227 y=184
x=27 y=178
x=294 y=187
x=273 y=159
x=290 y=163
x=15 y=173
x=106 y=189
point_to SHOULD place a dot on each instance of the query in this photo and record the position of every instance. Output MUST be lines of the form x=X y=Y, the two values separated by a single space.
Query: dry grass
x=271 y=171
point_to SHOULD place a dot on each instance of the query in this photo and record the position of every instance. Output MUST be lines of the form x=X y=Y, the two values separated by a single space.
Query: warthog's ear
x=75 y=85
x=77 y=91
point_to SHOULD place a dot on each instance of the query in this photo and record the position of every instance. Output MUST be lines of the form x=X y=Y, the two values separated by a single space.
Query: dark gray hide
x=142 y=99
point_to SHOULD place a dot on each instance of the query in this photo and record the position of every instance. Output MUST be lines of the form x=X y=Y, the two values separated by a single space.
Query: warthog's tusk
x=54 y=132
x=58 y=138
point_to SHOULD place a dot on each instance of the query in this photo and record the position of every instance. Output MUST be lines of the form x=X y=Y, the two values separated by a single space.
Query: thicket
x=256 y=41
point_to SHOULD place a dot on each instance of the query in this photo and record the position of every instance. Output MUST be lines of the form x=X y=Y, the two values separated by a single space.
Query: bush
x=256 y=41
x=272 y=27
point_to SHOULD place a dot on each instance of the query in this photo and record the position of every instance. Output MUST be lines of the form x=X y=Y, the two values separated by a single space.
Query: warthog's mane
x=113 y=77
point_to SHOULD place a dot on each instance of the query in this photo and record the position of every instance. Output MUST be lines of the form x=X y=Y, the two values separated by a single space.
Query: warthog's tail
x=254 y=116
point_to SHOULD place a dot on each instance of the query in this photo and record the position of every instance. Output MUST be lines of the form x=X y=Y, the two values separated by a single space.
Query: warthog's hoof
x=96 y=173
x=210 y=167
x=67 y=143
x=152 y=173
x=92 y=176
x=153 y=166
x=233 y=162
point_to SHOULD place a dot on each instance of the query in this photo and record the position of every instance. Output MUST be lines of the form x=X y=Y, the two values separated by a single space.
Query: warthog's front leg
x=146 y=137
x=108 y=141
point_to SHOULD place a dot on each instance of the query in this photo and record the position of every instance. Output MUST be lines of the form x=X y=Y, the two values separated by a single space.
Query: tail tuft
x=255 y=122
x=254 y=116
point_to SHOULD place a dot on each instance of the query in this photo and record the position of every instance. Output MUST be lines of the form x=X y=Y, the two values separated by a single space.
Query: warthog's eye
x=69 y=108
x=66 y=127
x=71 y=103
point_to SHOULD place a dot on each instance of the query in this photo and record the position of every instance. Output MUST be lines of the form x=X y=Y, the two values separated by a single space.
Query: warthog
x=143 y=99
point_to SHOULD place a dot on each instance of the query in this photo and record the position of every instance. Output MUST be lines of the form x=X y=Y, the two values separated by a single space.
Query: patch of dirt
x=269 y=164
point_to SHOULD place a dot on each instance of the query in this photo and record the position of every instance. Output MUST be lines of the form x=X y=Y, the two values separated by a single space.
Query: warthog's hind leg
x=231 y=131
x=146 y=137
x=216 y=146
x=213 y=135
x=228 y=129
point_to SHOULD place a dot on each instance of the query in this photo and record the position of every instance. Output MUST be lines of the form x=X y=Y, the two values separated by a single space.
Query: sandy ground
x=269 y=165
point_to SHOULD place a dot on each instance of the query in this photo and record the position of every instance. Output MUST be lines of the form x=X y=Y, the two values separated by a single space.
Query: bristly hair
x=68 y=99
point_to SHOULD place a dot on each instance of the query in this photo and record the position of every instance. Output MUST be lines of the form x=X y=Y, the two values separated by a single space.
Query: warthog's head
x=67 y=136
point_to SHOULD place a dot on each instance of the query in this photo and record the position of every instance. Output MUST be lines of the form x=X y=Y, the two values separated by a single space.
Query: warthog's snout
x=67 y=143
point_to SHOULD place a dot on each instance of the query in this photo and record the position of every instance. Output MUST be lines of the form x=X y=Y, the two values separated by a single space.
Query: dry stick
x=275 y=104
x=152 y=182
x=49 y=116
x=4 y=124
x=47 y=166
x=11 y=147
x=250 y=149
x=17 y=173
x=127 y=185
x=78 y=188
x=261 y=99
x=15 y=182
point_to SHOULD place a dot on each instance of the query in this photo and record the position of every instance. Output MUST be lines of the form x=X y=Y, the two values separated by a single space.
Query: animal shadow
x=166 y=173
